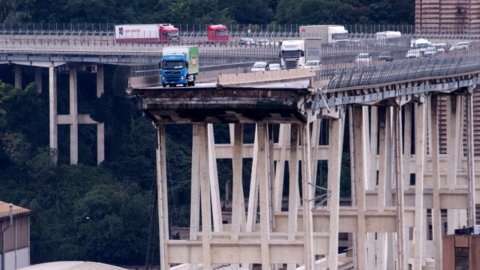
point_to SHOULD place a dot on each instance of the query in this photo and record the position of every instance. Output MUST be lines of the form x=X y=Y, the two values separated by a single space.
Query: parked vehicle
x=414 y=53
x=217 y=33
x=246 y=41
x=274 y=66
x=179 y=66
x=259 y=66
x=363 y=58
x=158 y=33
x=329 y=34
x=385 y=56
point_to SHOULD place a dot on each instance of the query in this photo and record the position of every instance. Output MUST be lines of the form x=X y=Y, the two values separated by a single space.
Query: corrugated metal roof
x=72 y=265
x=16 y=210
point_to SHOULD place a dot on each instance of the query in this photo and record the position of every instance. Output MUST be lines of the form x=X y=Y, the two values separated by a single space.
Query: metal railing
x=447 y=64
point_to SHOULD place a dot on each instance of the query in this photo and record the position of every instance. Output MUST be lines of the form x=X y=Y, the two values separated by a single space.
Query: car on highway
x=274 y=66
x=413 y=53
x=312 y=64
x=385 y=56
x=430 y=51
x=260 y=66
x=246 y=41
x=363 y=58
x=262 y=42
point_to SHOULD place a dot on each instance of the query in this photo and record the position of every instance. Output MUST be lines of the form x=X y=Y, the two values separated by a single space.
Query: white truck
x=140 y=33
x=392 y=38
x=295 y=53
x=330 y=34
x=292 y=53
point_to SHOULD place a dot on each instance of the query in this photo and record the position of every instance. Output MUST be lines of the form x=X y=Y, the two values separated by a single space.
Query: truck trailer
x=330 y=34
x=154 y=33
x=179 y=66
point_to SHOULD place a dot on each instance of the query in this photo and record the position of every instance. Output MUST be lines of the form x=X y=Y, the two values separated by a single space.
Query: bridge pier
x=38 y=79
x=18 y=76
x=393 y=142
x=420 y=147
x=436 y=211
x=73 y=118
x=52 y=104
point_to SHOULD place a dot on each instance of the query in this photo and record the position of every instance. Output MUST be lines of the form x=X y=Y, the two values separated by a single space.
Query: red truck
x=217 y=33
x=159 y=33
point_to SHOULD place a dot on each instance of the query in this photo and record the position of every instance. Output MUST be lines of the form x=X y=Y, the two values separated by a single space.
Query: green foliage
x=210 y=11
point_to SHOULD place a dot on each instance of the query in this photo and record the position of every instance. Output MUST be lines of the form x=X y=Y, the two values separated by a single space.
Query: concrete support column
x=407 y=139
x=162 y=193
x=308 y=192
x=253 y=192
x=400 y=202
x=52 y=104
x=74 y=116
x=205 y=195
x=100 y=126
x=195 y=183
x=453 y=139
x=238 y=197
x=283 y=139
x=360 y=170
x=471 y=163
x=420 y=147
x=38 y=79
x=213 y=176
x=436 y=213
x=264 y=179
x=334 y=169
x=18 y=76
x=293 y=192
x=383 y=163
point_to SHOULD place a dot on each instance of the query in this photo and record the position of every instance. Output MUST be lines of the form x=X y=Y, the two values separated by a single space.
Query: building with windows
x=462 y=250
x=14 y=236
x=447 y=16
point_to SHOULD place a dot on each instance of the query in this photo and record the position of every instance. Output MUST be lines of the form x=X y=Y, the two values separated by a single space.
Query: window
x=461 y=258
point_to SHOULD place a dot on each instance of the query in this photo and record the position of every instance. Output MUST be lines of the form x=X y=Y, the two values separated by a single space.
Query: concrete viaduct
x=411 y=137
x=412 y=119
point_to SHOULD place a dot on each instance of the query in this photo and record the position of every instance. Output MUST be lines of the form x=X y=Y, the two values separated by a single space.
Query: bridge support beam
x=420 y=147
x=334 y=169
x=52 y=105
x=100 y=126
x=162 y=196
x=38 y=79
x=384 y=177
x=360 y=171
x=73 y=90
x=400 y=202
x=18 y=76
x=471 y=220
x=436 y=211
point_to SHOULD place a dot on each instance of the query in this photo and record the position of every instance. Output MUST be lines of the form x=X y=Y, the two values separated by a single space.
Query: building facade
x=447 y=16
x=14 y=236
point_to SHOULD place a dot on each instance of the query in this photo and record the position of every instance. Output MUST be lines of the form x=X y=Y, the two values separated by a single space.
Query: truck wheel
x=192 y=83
x=164 y=85
x=185 y=84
